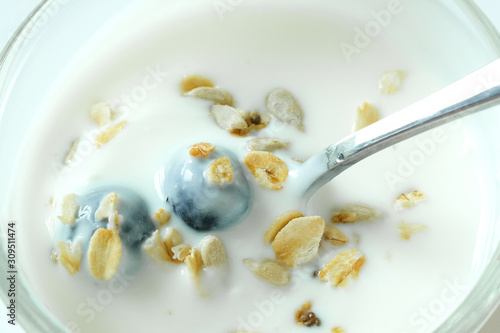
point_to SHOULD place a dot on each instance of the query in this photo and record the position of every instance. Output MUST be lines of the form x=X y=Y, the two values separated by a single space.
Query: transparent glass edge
x=16 y=43
x=32 y=316
x=477 y=303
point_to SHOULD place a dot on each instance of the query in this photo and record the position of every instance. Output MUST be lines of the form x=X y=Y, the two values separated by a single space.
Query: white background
x=12 y=13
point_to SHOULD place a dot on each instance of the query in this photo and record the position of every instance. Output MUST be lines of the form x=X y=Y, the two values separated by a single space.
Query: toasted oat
x=279 y=224
x=70 y=256
x=266 y=144
x=353 y=213
x=107 y=207
x=191 y=82
x=270 y=270
x=194 y=265
x=213 y=252
x=101 y=113
x=366 y=115
x=162 y=217
x=220 y=171
x=338 y=330
x=156 y=248
x=105 y=252
x=181 y=251
x=228 y=118
x=343 y=268
x=159 y=245
x=269 y=170
x=281 y=104
x=202 y=149
x=408 y=229
x=407 y=200
x=109 y=134
x=71 y=152
x=70 y=209
x=254 y=120
x=304 y=317
x=334 y=236
x=391 y=81
x=216 y=95
x=298 y=242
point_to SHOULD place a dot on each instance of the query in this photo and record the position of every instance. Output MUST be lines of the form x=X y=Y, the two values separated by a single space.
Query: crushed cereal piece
x=266 y=144
x=191 y=82
x=194 y=265
x=109 y=134
x=220 y=171
x=270 y=270
x=255 y=121
x=391 y=81
x=70 y=209
x=101 y=113
x=228 y=118
x=343 y=268
x=162 y=217
x=408 y=229
x=338 y=330
x=70 y=256
x=281 y=104
x=181 y=251
x=107 y=207
x=298 y=242
x=366 y=115
x=269 y=170
x=202 y=149
x=105 y=252
x=213 y=252
x=304 y=317
x=353 y=213
x=279 y=224
x=407 y=200
x=159 y=245
x=335 y=236
x=71 y=152
x=216 y=95
x=156 y=248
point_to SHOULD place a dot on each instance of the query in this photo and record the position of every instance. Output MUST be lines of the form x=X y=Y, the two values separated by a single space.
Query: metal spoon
x=464 y=97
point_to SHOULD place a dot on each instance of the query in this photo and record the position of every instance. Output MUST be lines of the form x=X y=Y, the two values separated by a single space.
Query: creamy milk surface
x=250 y=49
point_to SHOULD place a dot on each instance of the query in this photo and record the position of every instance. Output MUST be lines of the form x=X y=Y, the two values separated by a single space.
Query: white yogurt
x=405 y=286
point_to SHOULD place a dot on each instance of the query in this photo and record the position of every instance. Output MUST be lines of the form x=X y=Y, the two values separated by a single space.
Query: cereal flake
x=408 y=229
x=269 y=170
x=202 y=149
x=343 y=268
x=391 y=81
x=70 y=209
x=407 y=200
x=216 y=95
x=105 y=252
x=220 y=171
x=270 y=270
x=101 y=113
x=282 y=105
x=109 y=134
x=298 y=242
x=213 y=252
x=266 y=144
x=70 y=256
x=353 y=213
x=279 y=224
x=194 y=81
x=334 y=236
x=366 y=115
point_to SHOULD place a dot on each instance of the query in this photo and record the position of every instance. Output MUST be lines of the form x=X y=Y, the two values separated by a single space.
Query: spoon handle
x=464 y=97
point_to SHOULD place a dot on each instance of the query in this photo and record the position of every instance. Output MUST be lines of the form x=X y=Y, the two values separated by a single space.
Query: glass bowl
x=58 y=34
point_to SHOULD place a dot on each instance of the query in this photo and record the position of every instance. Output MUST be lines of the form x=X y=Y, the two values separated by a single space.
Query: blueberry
x=135 y=228
x=200 y=204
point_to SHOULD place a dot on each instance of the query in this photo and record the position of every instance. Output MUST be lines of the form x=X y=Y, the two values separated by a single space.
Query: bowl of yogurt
x=152 y=149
